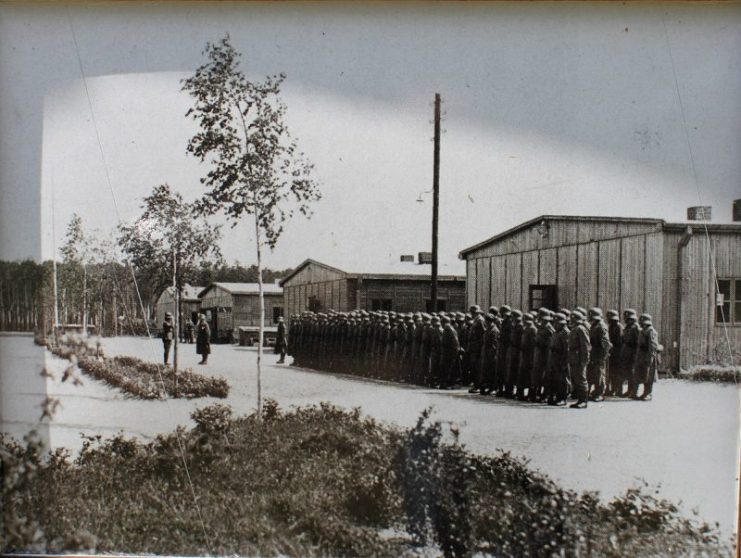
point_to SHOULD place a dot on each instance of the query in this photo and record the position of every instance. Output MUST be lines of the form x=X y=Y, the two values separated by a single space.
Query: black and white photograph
x=343 y=279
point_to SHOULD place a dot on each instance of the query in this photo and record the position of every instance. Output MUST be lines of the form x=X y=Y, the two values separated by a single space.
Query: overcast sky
x=580 y=108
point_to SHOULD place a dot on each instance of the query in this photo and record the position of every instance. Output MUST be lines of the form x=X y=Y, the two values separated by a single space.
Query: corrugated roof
x=244 y=288
x=603 y=219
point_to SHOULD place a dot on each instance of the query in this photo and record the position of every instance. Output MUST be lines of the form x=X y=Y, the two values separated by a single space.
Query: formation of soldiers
x=539 y=357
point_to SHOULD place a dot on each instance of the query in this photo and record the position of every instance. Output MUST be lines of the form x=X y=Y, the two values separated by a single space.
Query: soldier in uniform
x=168 y=332
x=426 y=351
x=527 y=355
x=599 y=339
x=513 y=353
x=462 y=328
x=281 y=340
x=558 y=382
x=542 y=351
x=416 y=360
x=647 y=359
x=579 y=349
x=629 y=352
x=449 y=350
x=614 y=373
x=505 y=333
x=475 y=342
x=489 y=356
x=436 y=341
x=203 y=339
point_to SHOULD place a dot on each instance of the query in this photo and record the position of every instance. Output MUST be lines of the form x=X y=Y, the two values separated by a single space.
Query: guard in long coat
x=599 y=339
x=647 y=359
x=557 y=381
x=614 y=373
x=203 y=339
x=281 y=340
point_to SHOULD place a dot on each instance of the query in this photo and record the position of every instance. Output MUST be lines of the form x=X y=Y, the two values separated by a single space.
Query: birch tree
x=255 y=167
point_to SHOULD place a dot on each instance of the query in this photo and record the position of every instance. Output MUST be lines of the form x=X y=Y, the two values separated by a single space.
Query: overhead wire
x=133 y=275
x=724 y=318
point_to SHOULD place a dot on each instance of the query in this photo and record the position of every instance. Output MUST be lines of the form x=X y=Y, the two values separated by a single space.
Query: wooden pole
x=435 y=201
x=262 y=317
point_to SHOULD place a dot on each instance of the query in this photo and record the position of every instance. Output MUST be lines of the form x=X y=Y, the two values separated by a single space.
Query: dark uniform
x=629 y=351
x=475 y=343
x=542 y=353
x=203 y=339
x=579 y=349
x=527 y=354
x=281 y=341
x=614 y=373
x=168 y=332
x=505 y=334
x=449 y=354
x=513 y=352
x=558 y=382
x=599 y=339
x=647 y=359
x=489 y=355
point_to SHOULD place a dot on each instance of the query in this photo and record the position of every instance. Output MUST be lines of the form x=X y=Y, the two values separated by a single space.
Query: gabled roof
x=531 y=222
x=190 y=293
x=661 y=223
x=389 y=269
x=244 y=288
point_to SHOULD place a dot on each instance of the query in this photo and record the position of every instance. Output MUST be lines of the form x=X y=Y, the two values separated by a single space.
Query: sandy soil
x=685 y=442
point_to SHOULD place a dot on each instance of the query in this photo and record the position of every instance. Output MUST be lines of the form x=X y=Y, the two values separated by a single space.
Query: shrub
x=137 y=378
x=711 y=373
x=318 y=481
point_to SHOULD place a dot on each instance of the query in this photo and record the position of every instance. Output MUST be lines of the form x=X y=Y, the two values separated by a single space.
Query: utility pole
x=435 y=201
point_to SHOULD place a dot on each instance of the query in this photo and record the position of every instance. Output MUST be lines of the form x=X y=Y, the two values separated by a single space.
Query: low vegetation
x=137 y=378
x=318 y=481
x=714 y=373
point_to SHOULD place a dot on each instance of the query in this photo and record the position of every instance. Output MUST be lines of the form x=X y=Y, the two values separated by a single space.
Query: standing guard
x=599 y=339
x=647 y=359
x=558 y=382
x=614 y=373
x=579 y=349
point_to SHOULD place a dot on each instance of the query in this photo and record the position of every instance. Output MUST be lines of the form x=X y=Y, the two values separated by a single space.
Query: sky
x=568 y=108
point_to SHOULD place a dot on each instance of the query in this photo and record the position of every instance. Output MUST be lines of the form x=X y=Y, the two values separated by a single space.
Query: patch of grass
x=318 y=481
x=137 y=378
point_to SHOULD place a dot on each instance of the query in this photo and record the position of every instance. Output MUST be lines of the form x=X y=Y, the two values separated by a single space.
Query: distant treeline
x=105 y=292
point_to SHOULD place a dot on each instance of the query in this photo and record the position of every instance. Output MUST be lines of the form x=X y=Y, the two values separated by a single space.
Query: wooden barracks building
x=402 y=286
x=664 y=269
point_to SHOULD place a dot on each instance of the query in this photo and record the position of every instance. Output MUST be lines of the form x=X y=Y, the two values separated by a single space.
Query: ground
x=685 y=440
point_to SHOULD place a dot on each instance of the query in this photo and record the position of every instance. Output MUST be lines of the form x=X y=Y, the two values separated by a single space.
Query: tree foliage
x=167 y=226
x=255 y=165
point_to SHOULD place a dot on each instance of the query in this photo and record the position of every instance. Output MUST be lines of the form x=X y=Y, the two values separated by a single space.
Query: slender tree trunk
x=84 y=300
x=261 y=330
x=176 y=307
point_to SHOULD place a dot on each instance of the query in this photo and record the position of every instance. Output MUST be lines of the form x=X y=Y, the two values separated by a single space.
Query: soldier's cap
x=493 y=310
x=565 y=311
x=547 y=317
x=582 y=310
x=577 y=316
x=504 y=309
x=490 y=317
x=612 y=314
x=560 y=318
x=517 y=313
x=646 y=318
x=445 y=320
x=435 y=320
x=475 y=309
x=543 y=311
x=168 y=314
x=418 y=315
x=409 y=320
x=527 y=317
x=280 y=318
x=426 y=317
x=629 y=312
x=460 y=315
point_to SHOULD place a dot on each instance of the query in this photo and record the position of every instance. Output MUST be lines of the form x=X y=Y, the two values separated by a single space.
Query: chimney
x=424 y=258
x=699 y=213
x=407 y=258
x=736 y=211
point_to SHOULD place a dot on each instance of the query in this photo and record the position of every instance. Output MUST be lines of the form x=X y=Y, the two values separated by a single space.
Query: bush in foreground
x=318 y=481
